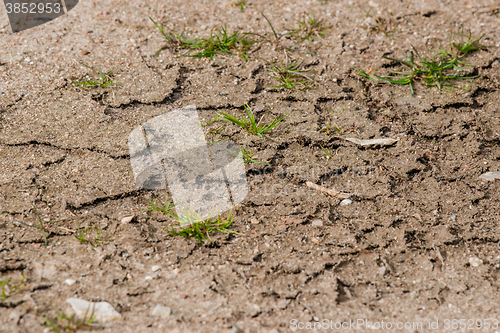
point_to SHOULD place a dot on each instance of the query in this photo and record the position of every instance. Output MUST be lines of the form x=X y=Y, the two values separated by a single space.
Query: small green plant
x=105 y=79
x=65 y=324
x=9 y=289
x=249 y=123
x=340 y=130
x=193 y=225
x=326 y=152
x=93 y=236
x=383 y=27
x=290 y=75
x=272 y=28
x=219 y=42
x=331 y=129
x=380 y=24
x=437 y=72
x=43 y=227
x=310 y=28
x=217 y=129
x=167 y=208
x=240 y=3
x=247 y=155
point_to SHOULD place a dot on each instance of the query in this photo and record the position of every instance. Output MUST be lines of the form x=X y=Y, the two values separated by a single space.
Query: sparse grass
x=240 y=3
x=340 y=130
x=166 y=209
x=214 y=130
x=219 y=42
x=326 y=152
x=384 y=27
x=43 y=227
x=192 y=225
x=93 y=236
x=104 y=80
x=310 y=28
x=437 y=72
x=9 y=289
x=247 y=155
x=381 y=25
x=290 y=75
x=66 y=324
x=272 y=28
x=249 y=123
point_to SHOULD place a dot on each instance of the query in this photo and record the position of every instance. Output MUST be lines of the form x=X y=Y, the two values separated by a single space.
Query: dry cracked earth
x=419 y=240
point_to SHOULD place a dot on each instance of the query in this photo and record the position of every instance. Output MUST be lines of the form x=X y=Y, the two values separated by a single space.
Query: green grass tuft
x=436 y=72
x=247 y=155
x=290 y=75
x=105 y=79
x=93 y=236
x=310 y=28
x=9 y=289
x=219 y=42
x=249 y=123
x=191 y=224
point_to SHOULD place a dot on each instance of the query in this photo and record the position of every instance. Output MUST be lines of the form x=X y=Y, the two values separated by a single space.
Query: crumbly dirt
x=400 y=252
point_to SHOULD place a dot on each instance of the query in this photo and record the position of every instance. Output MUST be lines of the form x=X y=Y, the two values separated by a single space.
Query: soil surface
x=418 y=242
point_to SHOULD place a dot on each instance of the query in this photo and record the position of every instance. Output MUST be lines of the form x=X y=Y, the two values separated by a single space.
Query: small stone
x=253 y=220
x=453 y=217
x=127 y=219
x=370 y=21
x=176 y=271
x=147 y=278
x=235 y=329
x=346 y=202
x=429 y=156
x=84 y=52
x=161 y=311
x=317 y=223
x=70 y=282
x=490 y=176
x=315 y=240
x=475 y=262
x=155 y=268
x=103 y=311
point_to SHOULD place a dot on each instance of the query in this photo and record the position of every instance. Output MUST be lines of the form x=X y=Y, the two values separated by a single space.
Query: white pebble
x=155 y=268
x=127 y=219
x=162 y=311
x=475 y=262
x=103 y=311
x=69 y=282
x=346 y=202
x=317 y=223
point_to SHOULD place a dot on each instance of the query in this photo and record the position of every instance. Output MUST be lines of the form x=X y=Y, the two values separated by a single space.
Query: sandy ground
x=418 y=243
